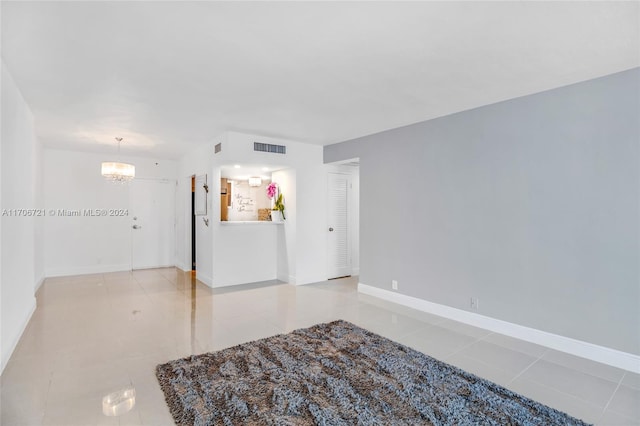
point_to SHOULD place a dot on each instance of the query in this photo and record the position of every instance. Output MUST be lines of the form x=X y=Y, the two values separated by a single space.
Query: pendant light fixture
x=115 y=171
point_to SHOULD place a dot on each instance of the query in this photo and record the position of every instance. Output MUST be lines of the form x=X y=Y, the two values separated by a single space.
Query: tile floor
x=92 y=335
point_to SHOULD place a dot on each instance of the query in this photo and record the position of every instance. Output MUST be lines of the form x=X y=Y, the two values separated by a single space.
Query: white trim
x=609 y=356
x=6 y=355
x=289 y=279
x=205 y=280
x=187 y=260
x=168 y=265
x=83 y=270
x=248 y=222
x=313 y=281
x=39 y=283
x=182 y=267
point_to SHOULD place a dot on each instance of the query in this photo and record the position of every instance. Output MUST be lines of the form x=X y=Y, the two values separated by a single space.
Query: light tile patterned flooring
x=95 y=334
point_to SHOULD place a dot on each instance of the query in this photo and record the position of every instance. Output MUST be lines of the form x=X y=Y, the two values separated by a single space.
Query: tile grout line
x=177 y=313
x=458 y=351
x=575 y=397
x=614 y=393
x=46 y=398
x=529 y=366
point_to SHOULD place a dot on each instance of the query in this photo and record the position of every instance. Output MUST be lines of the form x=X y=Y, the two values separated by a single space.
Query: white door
x=152 y=213
x=339 y=250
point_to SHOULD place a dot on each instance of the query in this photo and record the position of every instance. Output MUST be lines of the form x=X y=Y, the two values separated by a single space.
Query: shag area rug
x=338 y=374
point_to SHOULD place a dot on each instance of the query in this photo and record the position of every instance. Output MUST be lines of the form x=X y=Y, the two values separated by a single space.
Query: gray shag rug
x=337 y=374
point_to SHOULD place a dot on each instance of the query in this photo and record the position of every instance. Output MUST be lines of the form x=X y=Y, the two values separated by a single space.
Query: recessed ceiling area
x=245 y=171
x=169 y=76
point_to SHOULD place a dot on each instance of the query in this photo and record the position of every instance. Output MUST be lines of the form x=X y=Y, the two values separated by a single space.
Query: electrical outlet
x=394 y=284
x=474 y=303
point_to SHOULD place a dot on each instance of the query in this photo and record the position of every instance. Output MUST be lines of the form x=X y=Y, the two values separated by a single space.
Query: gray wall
x=531 y=205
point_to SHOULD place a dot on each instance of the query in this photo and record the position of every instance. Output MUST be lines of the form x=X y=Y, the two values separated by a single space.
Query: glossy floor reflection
x=95 y=337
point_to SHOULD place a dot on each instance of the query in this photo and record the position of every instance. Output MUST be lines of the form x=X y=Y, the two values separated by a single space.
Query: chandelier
x=115 y=171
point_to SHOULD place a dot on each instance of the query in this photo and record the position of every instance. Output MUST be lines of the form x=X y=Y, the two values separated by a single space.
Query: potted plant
x=279 y=207
x=277 y=211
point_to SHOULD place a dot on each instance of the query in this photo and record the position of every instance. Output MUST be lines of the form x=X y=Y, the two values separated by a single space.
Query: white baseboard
x=39 y=283
x=82 y=270
x=182 y=267
x=208 y=281
x=286 y=278
x=6 y=354
x=154 y=266
x=579 y=348
x=289 y=279
x=99 y=269
x=309 y=282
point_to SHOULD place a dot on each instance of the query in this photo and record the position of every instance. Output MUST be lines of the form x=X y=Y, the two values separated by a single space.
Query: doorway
x=193 y=224
x=342 y=218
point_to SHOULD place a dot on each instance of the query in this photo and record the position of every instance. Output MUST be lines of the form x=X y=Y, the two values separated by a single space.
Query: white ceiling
x=168 y=76
x=245 y=171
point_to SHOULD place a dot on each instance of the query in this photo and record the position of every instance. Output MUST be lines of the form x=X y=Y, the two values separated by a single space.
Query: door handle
x=137 y=226
x=330 y=229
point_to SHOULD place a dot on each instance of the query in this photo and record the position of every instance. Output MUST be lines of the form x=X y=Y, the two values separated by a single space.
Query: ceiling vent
x=217 y=148
x=267 y=147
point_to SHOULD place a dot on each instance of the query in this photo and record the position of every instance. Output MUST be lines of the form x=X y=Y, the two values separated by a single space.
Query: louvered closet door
x=339 y=250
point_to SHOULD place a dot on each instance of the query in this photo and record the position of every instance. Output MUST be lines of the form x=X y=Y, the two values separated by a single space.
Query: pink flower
x=271 y=189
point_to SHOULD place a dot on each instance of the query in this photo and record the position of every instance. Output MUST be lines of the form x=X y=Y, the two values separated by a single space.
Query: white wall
x=80 y=245
x=230 y=254
x=250 y=257
x=196 y=162
x=38 y=230
x=20 y=245
x=3 y=357
x=311 y=223
x=286 y=242
x=305 y=227
x=2 y=106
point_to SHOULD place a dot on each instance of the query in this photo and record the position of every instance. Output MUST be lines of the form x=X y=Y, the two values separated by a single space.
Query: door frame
x=186 y=212
x=352 y=168
x=340 y=171
x=174 y=184
x=193 y=225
